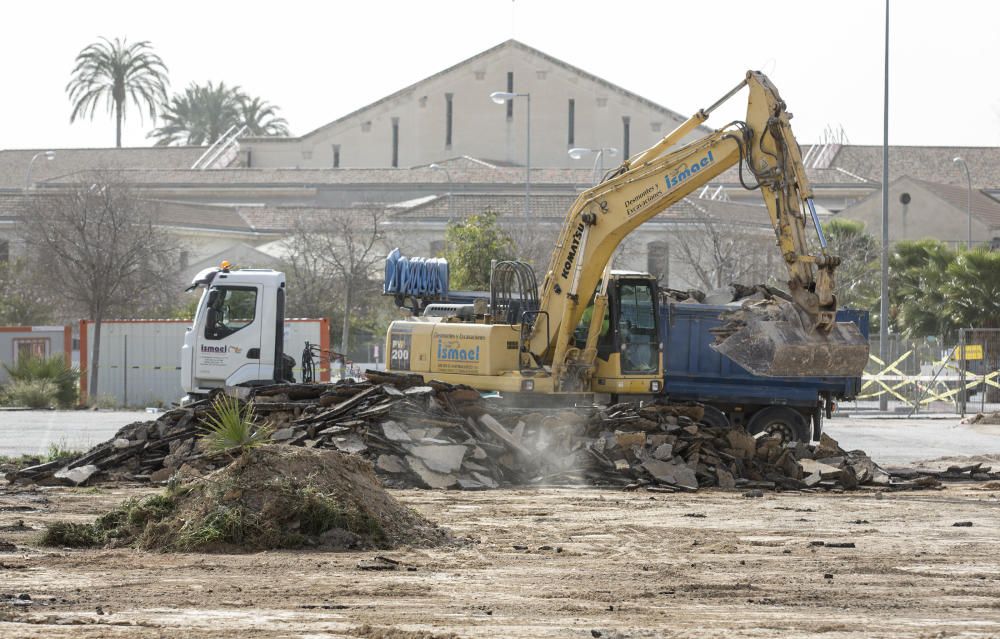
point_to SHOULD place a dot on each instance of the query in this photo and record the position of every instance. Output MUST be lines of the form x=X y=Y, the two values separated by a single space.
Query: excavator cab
x=628 y=357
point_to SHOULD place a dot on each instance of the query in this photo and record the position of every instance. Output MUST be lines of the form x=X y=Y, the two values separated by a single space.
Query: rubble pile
x=435 y=435
x=666 y=446
x=987 y=419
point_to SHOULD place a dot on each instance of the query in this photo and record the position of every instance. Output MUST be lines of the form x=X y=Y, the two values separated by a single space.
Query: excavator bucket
x=772 y=340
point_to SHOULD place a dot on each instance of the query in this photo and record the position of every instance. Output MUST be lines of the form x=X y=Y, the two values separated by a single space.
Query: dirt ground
x=541 y=563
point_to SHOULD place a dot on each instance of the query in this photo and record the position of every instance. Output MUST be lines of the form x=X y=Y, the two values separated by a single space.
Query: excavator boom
x=797 y=338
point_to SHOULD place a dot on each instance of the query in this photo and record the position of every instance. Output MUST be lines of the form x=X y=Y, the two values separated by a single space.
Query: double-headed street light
x=438 y=167
x=968 y=179
x=49 y=155
x=501 y=97
x=578 y=152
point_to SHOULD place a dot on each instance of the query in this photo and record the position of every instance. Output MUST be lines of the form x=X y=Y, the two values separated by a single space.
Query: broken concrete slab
x=825 y=471
x=390 y=464
x=282 y=434
x=661 y=470
x=441 y=458
x=672 y=472
x=350 y=444
x=486 y=480
x=663 y=452
x=430 y=478
x=393 y=432
x=78 y=475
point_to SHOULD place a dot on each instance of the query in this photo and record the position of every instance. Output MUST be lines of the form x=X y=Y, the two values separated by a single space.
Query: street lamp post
x=501 y=97
x=968 y=179
x=578 y=152
x=883 y=329
x=438 y=167
x=49 y=155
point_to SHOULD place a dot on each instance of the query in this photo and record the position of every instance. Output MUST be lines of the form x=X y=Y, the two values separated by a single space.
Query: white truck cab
x=238 y=332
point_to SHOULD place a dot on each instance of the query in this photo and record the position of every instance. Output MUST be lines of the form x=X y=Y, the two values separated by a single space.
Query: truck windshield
x=230 y=308
x=637 y=328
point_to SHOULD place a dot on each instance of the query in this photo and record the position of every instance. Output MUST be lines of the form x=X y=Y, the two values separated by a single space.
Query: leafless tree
x=24 y=298
x=720 y=252
x=338 y=249
x=100 y=250
x=534 y=240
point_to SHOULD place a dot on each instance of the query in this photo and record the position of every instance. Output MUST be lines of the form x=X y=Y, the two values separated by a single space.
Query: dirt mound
x=269 y=497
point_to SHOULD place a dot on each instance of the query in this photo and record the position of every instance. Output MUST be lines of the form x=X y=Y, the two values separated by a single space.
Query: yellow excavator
x=530 y=339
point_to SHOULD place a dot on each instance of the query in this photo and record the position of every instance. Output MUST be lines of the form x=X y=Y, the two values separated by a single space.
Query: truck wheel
x=780 y=420
x=715 y=417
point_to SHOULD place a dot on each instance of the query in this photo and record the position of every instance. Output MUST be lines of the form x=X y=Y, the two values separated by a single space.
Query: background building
x=450 y=114
x=381 y=156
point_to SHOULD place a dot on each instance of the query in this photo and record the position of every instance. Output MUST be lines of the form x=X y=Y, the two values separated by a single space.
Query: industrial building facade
x=382 y=155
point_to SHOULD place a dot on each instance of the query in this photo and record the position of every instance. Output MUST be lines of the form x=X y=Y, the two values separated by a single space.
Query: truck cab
x=237 y=336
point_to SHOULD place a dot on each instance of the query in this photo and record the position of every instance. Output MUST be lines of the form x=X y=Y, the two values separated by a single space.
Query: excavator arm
x=797 y=339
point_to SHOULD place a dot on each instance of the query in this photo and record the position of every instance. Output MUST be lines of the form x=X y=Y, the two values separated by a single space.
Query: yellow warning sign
x=972 y=351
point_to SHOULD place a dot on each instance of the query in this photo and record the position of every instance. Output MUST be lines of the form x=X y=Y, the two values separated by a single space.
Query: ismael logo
x=451 y=351
x=680 y=176
x=221 y=350
x=573 y=248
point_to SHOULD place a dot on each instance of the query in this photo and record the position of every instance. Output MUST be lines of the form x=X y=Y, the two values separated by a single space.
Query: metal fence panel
x=935 y=375
x=979 y=358
x=140 y=359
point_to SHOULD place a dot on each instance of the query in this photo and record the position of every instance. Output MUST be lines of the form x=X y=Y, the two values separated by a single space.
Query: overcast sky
x=321 y=60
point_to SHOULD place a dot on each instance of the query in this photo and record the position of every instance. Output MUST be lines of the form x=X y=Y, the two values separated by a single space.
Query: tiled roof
x=928 y=163
x=14 y=162
x=727 y=212
x=461 y=171
x=278 y=219
x=462 y=205
x=169 y=213
x=817 y=177
x=984 y=207
x=555 y=207
x=472 y=174
x=201 y=216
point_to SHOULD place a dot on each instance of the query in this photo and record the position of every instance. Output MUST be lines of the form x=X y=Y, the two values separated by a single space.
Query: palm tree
x=919 y=272
x=973 y=294
x=203 y=113
x=116 y=73
x=198 y=116
x=973 y=289
x=261 y=118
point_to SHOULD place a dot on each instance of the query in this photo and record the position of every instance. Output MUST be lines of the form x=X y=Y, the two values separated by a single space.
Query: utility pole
x=883 y=329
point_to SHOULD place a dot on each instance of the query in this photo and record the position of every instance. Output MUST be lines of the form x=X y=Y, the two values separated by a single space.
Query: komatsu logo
x=680 y=176
x=573 y=248
x=450 y=351
x=221 y=349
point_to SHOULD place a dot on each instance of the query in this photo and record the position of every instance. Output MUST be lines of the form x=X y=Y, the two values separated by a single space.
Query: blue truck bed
x=694 y=371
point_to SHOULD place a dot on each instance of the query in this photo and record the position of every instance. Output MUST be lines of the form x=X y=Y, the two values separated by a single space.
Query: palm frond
x=113 y=72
